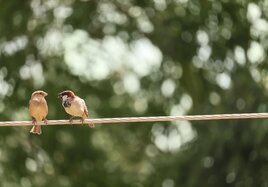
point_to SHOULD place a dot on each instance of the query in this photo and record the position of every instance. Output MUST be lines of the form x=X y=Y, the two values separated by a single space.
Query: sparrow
x=74 y=105
x=38 y=110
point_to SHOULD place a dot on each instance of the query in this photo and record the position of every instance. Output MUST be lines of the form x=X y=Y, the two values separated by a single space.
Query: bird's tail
x=36 y=129
x=91 y=125
x=85 y=116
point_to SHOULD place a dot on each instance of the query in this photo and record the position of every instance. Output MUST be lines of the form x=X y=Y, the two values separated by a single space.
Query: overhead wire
x=143 y=119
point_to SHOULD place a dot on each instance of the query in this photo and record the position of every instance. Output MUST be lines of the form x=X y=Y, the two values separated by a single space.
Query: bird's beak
x=45 y=94
x=59 y=96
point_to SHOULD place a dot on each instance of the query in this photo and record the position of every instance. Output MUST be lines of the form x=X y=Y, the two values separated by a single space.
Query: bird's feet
x=71 y=120
x=45 y=121
x=34 y=121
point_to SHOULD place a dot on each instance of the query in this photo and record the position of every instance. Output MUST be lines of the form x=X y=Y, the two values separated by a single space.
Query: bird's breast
x=38 y=109
x=75 y=109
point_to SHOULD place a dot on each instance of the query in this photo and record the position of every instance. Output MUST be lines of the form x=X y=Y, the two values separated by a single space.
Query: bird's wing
x=85 y=108
x=46 y=107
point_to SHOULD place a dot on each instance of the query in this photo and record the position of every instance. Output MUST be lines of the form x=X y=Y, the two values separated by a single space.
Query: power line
x=145 y=119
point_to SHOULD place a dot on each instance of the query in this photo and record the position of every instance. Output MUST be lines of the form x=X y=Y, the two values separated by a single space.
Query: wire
x=144 y=119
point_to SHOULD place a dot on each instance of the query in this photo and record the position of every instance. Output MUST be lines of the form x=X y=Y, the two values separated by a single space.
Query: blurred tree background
x=136 y=58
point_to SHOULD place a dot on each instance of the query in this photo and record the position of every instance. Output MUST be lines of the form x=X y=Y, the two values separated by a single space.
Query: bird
x=38 y=110
x=74 y=105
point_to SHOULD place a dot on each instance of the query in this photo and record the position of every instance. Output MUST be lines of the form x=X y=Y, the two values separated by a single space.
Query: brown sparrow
x=74 y=105
x=38 y=110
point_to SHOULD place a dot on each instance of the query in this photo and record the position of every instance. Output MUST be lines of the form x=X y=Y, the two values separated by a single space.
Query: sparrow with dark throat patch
x=74 y=105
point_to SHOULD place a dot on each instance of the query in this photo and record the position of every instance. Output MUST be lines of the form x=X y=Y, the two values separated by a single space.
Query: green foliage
x=135 y=58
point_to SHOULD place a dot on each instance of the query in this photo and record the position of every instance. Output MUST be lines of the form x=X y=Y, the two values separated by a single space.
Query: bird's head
x=66 y=94
x=39 y=93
